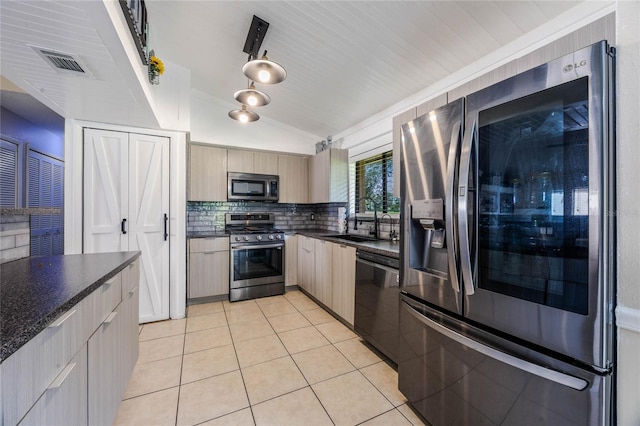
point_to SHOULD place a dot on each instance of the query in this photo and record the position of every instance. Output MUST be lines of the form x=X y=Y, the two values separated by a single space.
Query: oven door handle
x=257 y=246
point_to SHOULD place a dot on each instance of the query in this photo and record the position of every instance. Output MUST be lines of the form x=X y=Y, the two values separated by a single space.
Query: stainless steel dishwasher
x=377 y=301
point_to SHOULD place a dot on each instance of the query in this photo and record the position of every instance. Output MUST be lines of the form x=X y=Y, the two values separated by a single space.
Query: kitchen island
x=68 y=325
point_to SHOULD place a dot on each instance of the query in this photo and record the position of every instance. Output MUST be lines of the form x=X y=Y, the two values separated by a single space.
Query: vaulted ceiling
x=346 y=60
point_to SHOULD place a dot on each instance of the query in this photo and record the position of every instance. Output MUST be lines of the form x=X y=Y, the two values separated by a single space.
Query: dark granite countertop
x=34 y=291
x=207 y=234
x=29 y=210
x=383 y=247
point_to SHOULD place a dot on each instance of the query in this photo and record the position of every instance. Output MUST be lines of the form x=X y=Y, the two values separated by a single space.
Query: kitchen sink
x=354 y=238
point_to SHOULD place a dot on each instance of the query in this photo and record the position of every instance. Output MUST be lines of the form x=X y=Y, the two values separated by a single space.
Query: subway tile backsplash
x=209 y=216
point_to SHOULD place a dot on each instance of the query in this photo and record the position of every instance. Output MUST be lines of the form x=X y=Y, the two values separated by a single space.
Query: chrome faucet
x=375 y=215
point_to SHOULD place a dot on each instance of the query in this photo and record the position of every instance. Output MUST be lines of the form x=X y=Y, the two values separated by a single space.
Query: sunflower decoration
x=156 y=65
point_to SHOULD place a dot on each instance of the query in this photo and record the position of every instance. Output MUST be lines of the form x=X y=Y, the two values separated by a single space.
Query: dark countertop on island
x=34 y=291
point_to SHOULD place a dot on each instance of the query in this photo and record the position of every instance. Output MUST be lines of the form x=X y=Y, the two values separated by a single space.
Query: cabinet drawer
x=104 y=375
x=64 y=402
x=200 y=245
x=130 y=278
x=31 y=369
x=104 y=300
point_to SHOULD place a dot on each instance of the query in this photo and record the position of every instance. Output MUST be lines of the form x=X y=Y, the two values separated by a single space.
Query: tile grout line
x=244 y=384
x=184 y=340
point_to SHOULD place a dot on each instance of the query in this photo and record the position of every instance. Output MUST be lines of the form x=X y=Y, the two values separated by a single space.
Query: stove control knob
x=279 y=236
x=237 y=238
x=259 y=237
x=246 y=238
x=271 y=237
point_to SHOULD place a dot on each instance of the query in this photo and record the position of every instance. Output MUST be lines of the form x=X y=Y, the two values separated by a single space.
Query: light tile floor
x=280 y=360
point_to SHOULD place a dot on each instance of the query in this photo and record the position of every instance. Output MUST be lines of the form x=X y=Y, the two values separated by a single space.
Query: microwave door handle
x=463 y=217
x=450 y=206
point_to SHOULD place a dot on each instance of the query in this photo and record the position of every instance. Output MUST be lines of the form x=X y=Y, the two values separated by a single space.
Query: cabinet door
x=105 y=381
x=240 y=161
x=265 y=163
x=208 y=274
x=291 y=260
x=207 y=173
x=306 y=263
x=65 y=400
x=294 y=179
x=344 y=279
x=322 y=275
x=130 y=303
x=319 y=184
x=106 y=172
x=148 y=190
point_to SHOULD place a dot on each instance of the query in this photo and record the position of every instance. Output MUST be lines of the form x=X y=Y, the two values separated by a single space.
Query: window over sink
x=374 y=184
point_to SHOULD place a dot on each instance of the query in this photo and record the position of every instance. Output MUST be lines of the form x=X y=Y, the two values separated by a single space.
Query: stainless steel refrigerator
x=508 y=250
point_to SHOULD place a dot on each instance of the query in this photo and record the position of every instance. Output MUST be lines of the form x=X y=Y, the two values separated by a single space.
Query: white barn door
x=126 y=197
x=148 y=213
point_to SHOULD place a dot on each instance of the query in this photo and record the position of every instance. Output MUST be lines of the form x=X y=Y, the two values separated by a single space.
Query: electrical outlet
x=312 y=216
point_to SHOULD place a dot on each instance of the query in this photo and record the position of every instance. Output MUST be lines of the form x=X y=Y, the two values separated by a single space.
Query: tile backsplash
x=209 y=216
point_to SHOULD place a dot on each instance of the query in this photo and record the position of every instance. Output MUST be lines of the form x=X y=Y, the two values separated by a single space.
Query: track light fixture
x=252 y=97
x=260 y=70
x=264 y=71
x=243 y=115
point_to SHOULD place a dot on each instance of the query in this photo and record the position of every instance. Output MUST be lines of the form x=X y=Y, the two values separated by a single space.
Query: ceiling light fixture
x=243 y=115
x=264 y=71
x=257 y=70
x=252 y=97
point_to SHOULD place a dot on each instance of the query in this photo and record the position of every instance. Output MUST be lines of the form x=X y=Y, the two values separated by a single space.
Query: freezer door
x=454 y=374
x=543 y=270
x=429 y=156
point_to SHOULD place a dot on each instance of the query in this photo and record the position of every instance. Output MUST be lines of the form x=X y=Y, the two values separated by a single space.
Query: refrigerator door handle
x=463 y=218
x=449 y=209
x=535 y=369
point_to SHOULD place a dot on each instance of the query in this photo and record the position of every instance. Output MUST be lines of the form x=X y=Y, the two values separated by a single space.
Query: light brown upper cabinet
x=329 y=176
x=243 y=161
x=294 y=179
x=207 y=173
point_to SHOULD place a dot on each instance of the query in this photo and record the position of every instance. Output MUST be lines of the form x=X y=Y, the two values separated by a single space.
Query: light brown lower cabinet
x=75 y=371
x=65 y=400
x=327 y=271
x=343 y=278
x=208 y=267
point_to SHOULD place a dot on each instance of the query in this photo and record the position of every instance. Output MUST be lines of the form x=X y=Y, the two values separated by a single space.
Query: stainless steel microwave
x=252 y=187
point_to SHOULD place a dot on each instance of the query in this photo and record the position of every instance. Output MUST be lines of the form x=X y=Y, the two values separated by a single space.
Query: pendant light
x=244 y=115
x=252 y=97
x=264 y=71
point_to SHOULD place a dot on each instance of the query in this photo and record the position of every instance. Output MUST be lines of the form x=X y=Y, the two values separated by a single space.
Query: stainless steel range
x=257 y=256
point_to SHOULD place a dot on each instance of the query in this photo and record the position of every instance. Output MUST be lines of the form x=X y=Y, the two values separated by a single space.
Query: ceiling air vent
x=63 y=62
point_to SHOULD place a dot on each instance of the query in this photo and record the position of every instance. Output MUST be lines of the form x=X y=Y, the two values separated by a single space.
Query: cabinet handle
x=166 y=219
x=62 y=377
x=123 y=226
x=110 y=318
x=57 y=323
x=133 y=291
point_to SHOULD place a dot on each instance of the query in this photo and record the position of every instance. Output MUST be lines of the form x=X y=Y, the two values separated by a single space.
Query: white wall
x=628 y=211
x=73 y=196
x=210 y=123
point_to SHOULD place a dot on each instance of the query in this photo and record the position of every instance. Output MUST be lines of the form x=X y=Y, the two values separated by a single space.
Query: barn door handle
x=123 y=226
x=166 y=219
